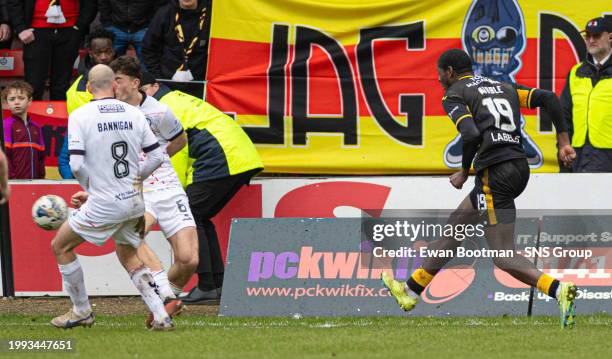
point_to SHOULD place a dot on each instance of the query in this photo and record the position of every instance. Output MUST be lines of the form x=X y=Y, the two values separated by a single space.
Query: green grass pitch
x=223 y=337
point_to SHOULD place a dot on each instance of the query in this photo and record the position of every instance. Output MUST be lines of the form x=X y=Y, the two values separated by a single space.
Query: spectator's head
x=18 y=97
x=451 y=65
x=101 y=81
x=598 y=37
x=149 y=84
x=100 y=44
x=128 y=76
x=188 y=4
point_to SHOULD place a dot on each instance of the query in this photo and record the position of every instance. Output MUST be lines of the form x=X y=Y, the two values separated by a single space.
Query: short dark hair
x=127 y=65
x=147 y=79
x=99 y=33
x=18 y=85
x=458 y=59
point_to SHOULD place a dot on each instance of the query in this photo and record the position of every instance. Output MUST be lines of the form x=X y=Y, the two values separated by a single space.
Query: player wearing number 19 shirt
x=487 y=114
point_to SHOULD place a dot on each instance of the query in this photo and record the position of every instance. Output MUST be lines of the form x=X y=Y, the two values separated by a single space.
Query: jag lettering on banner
x=323 y=90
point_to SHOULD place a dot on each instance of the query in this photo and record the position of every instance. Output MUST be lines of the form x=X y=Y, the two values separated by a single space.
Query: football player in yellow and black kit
x=486 y=113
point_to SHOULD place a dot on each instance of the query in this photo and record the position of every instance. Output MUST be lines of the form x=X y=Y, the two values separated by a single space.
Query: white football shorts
x=97 y=232
x=170 y=208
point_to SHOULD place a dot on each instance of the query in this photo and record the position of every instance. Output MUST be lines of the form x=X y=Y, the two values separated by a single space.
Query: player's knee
x=193 y=263
x=187 y=260
x=57 y=247
x=54 y=246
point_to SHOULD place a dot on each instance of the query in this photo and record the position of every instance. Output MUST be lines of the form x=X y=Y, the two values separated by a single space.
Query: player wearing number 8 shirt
x=486 y=113
x=105 y=138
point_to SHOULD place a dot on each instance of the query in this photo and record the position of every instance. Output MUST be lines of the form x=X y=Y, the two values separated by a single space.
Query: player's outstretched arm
x=549 y=101
x=153 y=159
x=471 y=137
x=176 y=144
x=149 y=145
x=172 y=129
x=532 y=97
x=77 y=165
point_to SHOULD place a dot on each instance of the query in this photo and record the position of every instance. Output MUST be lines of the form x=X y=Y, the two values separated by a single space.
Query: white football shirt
x=166 y=127
x=111 y=134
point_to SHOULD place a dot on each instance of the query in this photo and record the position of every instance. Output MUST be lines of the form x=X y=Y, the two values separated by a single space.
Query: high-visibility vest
x=591 y=110
x=218 y=146
x=77 y=94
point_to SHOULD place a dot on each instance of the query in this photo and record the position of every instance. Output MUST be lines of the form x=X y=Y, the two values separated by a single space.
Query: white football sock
x=74 y=284
x=176 y=290
x=161 y=279
x=143 y=280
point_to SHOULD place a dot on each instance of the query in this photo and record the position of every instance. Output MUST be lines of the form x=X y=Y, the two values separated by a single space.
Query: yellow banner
x=350 y=87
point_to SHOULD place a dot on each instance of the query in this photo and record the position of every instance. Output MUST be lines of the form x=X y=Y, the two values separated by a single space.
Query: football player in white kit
x=106 y=137
x=165 y=200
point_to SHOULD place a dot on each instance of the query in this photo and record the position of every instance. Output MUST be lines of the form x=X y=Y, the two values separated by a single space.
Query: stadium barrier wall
x=35 y=271
x=332 y=267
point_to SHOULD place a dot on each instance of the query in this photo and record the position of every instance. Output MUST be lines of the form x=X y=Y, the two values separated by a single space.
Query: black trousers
x=206 y=199
x=51 y=53
x=6 y=45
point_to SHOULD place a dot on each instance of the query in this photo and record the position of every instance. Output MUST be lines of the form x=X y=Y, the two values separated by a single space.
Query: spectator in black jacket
x=50 y=42
x=5 y=28
x=175 y=46
x=128 y=20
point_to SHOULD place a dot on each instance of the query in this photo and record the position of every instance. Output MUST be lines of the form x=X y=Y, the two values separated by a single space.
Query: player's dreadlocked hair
x=99 y=33
x=458 y=59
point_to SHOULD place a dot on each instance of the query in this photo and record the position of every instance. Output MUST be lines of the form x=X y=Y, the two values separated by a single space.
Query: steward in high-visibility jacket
x=218 y=146
x=100 y=42
x=587 y=105
x=218 y=160
x=76 y=96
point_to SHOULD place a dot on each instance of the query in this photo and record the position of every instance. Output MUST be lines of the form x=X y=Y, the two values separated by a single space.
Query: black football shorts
x=495 y=189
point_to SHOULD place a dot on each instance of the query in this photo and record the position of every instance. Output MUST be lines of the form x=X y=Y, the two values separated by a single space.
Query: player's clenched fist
x=79 y=198
x=566 y=155
x=458 y=178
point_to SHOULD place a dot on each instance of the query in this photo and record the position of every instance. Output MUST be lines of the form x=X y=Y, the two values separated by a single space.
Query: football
x=49 y=212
